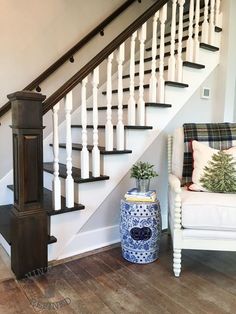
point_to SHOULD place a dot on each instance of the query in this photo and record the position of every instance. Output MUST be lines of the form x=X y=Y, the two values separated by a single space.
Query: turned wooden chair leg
x=177 y=262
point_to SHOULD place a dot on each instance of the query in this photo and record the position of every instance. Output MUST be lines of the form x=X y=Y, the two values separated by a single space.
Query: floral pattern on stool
x=140 y=231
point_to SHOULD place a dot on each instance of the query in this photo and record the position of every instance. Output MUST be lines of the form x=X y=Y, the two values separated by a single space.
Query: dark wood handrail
x=42 y=77
x=101 y=56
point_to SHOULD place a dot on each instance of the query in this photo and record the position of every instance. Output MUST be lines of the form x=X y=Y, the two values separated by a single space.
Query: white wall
x=195 y=110
x=34 y=34
x=221 y=107
x=227 y=69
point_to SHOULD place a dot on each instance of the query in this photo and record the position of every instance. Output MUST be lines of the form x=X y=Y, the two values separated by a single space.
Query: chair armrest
x=175 y=187
x=175 y=183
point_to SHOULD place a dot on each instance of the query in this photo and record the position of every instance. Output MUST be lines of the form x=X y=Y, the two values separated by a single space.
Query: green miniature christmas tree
x=220 y=174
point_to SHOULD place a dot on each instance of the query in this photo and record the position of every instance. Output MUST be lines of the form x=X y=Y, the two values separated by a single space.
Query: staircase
x=127 y=96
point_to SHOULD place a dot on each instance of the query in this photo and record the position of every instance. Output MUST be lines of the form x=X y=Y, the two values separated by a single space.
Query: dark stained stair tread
x=176 y=84
x=52 y=239
x=168 y=43
x=76 y=173
x=158 y=105
x=129 y=127
x=102 y=149
x=146 y=86
x=184 y=29
x=184 y=38
x=126 y=89
x=47 y=203
x=193 y=65
x=166 y=54
x=209 y=47
x=218 y=29
x=145 y=72
x=147 y=104
x=5 y=219
x=185 y=63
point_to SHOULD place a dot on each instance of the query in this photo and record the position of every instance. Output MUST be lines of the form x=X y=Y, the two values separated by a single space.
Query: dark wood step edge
x=147 y=104
x=126 y=89
x=48 y=167
x=176 y=84
x=185 y=63
x=128 y=127
x=52 y=212
x=79 y=147
x=209 y=47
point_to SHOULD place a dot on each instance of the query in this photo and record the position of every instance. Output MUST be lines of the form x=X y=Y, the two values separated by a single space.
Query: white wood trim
x=179 y=61
x=205 y=24
x=120 y=133
x=131 y=101
x=84 y=152
x=141 y=103
x=212 y=23
x=171 y=60
x=109 y=125
x=69 y=179
x=92 y=240
x=95 y=151
x=161 y=80
x=153 y=78
x=56 y=184
x=189 y=52
x=196 y=38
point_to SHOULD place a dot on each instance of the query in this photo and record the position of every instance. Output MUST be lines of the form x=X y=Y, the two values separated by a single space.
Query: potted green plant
x=143 y=172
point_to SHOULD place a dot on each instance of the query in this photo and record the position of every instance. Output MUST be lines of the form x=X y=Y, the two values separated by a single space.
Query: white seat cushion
x=205 y=210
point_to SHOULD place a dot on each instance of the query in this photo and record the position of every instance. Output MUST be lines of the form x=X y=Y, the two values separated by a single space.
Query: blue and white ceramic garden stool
x=140 y=231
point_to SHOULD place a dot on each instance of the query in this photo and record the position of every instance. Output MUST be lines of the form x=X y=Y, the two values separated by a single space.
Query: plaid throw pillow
x=216 y=135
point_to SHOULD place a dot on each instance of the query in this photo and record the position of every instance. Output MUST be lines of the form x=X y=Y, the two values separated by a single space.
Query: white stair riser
x=137 y=140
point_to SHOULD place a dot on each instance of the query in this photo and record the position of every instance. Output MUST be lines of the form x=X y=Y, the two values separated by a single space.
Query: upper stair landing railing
x=114 y=57
x=68 y=56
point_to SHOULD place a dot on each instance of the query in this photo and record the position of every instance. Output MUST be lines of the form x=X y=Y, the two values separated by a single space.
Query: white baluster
x=171 y=61
x=141 y=102
x=109 y=125
x=212 y=23
x=205 y=24
x=131 y=101
x=84 y=152
x=189 y=51
x=179 y=62
x=218 y=15
x=69 y=179
x=153 y=79
x=161 y=81
x=56 y=187
x=120 y=126
x=196 y=38
x=95 y=152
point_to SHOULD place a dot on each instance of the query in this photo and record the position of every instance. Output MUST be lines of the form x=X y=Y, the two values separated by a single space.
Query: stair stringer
x=67 y=228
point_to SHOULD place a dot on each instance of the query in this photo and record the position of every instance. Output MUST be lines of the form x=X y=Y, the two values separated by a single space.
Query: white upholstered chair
x=197 y=220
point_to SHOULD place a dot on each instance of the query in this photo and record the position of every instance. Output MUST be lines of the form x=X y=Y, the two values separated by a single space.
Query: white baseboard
x=6 y=196
x=95 y=239
x=5 y=245
x=91 y=240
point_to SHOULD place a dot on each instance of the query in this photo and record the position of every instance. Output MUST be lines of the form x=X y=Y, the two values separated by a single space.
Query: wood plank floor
x=106 y=283
x=5 y=267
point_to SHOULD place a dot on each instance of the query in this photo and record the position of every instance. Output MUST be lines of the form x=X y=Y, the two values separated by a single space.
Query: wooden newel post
x=29 y=219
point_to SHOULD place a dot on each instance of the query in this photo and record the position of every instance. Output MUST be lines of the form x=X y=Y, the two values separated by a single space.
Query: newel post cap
x=26 y=95
x=27 y=109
